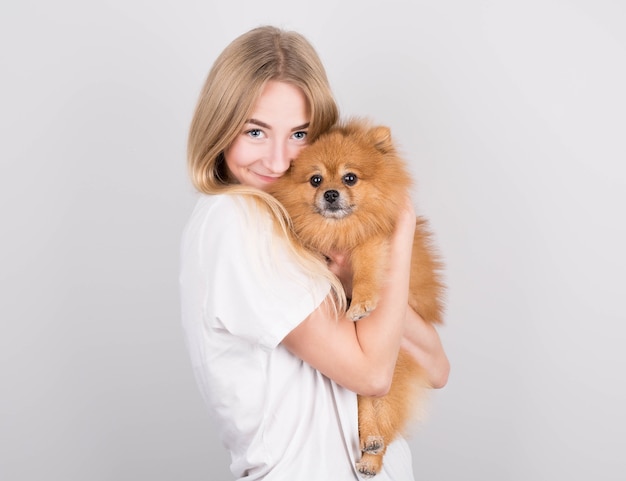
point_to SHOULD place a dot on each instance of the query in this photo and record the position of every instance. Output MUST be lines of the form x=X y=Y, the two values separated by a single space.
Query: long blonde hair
x=230 y=91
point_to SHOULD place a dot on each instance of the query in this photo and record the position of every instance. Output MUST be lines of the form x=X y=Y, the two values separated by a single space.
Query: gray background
x=512 y=116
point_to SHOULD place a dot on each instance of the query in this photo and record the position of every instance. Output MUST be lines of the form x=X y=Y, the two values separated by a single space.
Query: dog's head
x=350 y=176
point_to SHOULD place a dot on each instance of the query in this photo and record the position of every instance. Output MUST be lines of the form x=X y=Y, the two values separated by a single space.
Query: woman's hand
x=340 y=265
x=406 y=220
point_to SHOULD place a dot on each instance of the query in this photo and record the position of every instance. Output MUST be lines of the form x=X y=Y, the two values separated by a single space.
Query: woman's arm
x=361 y=355
x=422 y=342
x=421 y=339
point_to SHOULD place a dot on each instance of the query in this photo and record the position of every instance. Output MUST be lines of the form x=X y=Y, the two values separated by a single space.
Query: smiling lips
x=268 y=178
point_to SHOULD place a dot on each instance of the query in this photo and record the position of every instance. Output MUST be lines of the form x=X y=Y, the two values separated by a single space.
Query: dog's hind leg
x=371 y=440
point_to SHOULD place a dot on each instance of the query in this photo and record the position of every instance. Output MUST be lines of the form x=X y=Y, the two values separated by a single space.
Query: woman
x=276 y=360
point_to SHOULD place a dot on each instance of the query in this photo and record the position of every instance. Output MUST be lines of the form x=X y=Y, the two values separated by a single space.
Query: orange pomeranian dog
x=343 y=193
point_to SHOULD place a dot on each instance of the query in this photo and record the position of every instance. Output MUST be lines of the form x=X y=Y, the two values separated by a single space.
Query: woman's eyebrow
x=258 y=122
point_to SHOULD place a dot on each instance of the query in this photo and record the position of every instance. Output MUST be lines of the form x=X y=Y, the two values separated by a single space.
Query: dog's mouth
x=335 y=212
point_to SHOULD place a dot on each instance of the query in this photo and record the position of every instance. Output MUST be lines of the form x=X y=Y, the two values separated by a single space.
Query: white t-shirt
x=241 y=294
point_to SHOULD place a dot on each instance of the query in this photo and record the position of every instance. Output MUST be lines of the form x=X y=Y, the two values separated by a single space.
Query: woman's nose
x=280 y=158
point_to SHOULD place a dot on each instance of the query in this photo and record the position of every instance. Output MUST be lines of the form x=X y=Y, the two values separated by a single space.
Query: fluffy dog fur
x=343 y=193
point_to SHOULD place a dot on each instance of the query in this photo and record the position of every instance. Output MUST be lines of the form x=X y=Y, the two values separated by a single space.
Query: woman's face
x=271 y=138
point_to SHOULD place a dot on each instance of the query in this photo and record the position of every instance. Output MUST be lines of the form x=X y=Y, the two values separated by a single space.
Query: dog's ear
x=382 y=139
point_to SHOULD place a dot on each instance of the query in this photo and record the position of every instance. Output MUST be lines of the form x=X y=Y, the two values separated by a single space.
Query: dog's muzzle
x=332 y=205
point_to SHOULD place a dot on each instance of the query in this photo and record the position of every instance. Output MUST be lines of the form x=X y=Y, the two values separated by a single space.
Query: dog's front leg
x=368 y=261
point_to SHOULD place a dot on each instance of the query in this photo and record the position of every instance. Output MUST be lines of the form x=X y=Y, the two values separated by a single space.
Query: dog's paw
x=373 y=445
x=369 y=465
x=359 y=310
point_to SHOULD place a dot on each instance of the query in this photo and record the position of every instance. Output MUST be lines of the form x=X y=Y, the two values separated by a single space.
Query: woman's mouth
x=268 y=178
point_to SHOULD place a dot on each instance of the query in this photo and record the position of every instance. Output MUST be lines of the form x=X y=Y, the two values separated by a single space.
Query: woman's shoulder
x=229 y=215
x=217 y=203
x=221 y=209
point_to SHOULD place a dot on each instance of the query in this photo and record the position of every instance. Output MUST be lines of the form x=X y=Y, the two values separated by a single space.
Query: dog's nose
x=331 y=196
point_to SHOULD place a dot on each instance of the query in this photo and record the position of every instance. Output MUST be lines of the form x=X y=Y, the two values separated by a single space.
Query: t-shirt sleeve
x=254 y=287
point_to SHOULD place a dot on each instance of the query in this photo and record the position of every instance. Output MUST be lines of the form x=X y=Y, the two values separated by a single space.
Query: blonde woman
x=277 y=362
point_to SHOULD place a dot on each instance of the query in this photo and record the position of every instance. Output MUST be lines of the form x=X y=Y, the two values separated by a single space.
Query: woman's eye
x=254 y=133
x=350 y=179
x=299 y=135
x=316 y=180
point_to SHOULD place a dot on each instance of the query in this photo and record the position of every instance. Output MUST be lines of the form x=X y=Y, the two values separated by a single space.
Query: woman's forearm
x=422 y=341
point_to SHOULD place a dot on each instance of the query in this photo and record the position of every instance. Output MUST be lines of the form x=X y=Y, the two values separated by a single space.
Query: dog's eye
x=316 y=180
x=350 y=179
